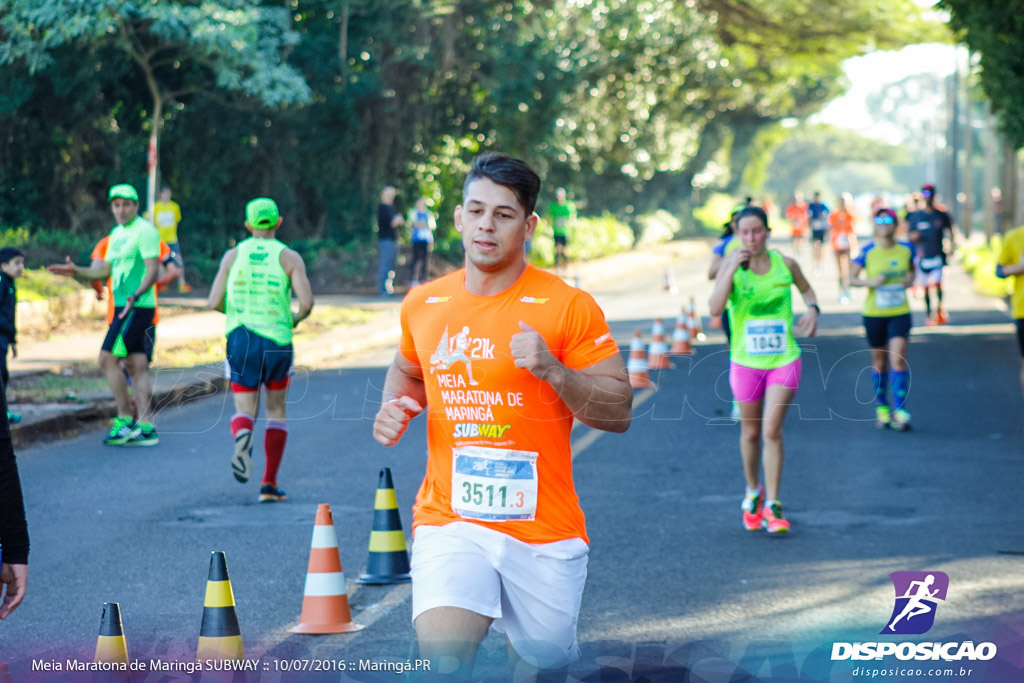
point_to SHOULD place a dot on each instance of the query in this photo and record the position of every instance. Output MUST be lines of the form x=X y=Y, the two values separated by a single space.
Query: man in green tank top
x=253 y=288
x=132 y=263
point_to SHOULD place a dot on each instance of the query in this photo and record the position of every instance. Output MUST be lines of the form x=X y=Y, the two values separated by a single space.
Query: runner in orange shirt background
x=843 y=241
x=796 y=214
x=500 y=538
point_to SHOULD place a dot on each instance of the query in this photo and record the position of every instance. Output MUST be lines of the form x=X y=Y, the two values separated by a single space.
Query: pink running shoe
x=751 y=507
x=772 y=519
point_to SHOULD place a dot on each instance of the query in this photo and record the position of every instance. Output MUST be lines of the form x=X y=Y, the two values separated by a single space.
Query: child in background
x=12 y=266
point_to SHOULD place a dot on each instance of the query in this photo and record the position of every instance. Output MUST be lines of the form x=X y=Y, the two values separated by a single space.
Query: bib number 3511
x=494 y=484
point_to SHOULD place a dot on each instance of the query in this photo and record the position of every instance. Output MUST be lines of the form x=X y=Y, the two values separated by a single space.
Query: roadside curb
x=202 y=381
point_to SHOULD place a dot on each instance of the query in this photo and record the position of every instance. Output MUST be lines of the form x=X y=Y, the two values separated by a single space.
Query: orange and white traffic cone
x=681 y=337
x=325 y=607
x=636 y=366
x=696 y=331
x=657 y=355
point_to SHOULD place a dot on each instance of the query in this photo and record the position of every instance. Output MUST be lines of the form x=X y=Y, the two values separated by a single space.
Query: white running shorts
x=532 y=591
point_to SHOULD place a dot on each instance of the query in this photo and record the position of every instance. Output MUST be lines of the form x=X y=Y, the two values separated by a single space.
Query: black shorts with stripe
x=136 y=331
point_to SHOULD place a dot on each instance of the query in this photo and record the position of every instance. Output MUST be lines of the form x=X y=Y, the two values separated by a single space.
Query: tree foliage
x=993 y=30
x=628 y=103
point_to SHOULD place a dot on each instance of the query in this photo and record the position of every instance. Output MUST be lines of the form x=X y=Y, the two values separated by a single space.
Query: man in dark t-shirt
x=388 y=220
x=928 y=229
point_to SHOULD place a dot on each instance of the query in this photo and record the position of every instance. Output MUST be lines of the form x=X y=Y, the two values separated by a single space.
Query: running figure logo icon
x=452 y=350
x=917 y=596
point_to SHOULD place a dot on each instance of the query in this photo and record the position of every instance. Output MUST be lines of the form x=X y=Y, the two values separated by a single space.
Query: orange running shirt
x=100 y=252
x=841 y=223
x=796 y=214
x=498 y=437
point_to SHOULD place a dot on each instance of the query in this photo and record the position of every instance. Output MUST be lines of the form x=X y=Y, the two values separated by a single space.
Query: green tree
x=179 y=48
x=993 y=30
x=811 y=149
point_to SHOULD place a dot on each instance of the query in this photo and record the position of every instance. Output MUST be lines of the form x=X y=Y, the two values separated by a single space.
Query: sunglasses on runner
x=883 y=220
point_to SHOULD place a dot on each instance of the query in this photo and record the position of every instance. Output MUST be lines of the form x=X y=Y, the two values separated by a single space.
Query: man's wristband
x=1000 y=271
x=816 y=308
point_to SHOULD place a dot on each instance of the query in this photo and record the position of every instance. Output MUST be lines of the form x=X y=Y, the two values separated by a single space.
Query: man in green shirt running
x=562 y=214
x=253 y=288
x=132 y=263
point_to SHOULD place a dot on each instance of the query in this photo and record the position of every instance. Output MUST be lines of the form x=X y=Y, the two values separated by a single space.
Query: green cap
x=124 y=192
x=262 y=214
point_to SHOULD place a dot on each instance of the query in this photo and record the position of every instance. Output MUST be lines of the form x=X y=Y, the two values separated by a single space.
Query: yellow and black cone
x=389 y=559
x=110 y=646
x=219 y=636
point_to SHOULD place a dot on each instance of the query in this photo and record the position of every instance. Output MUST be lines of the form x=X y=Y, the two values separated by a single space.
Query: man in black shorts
x=132 y=263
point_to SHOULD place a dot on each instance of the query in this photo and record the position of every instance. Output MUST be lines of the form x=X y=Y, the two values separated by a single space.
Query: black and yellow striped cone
x=219 y=636
x=110 y=645
x=389 y=559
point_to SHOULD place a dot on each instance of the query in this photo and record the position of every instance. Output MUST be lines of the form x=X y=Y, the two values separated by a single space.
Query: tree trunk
x=1011 y=199
x=967 y=225
x=343 y=43
x=991 y=150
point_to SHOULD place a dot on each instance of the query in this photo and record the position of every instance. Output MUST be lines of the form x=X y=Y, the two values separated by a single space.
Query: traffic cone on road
x=669 y=283
x=681 y=337
x=110 y=645
x=389 y=559
x=636 y=366
x=696 y=331
x=219 y=635
x=325 y=607
x=657 y=354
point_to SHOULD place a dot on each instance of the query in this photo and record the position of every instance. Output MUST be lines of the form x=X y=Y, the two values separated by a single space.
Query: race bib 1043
x=494 y=484
x=766 y=337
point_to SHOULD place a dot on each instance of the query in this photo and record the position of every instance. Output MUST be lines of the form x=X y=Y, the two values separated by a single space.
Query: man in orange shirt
x=796 y=214
x=843 y=241
x=500 y=538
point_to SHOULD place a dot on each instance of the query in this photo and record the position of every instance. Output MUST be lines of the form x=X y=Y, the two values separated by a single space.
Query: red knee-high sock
x=273 y=442
x=240 y=421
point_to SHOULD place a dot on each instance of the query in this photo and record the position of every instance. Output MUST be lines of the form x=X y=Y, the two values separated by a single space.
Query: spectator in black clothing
x=12 y=265
x=13 y=528
x=388 y=220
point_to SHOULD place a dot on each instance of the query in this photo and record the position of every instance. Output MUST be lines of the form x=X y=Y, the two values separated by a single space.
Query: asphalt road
x=675 y=584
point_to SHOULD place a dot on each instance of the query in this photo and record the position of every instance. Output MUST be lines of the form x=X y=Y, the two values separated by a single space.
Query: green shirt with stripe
x=127 y=250
x=259 y=293
x=761 y=315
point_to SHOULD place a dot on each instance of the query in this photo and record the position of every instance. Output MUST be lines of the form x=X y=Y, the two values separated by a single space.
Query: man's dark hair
x=509 y=172
x=8 y=253
x=756 y=212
